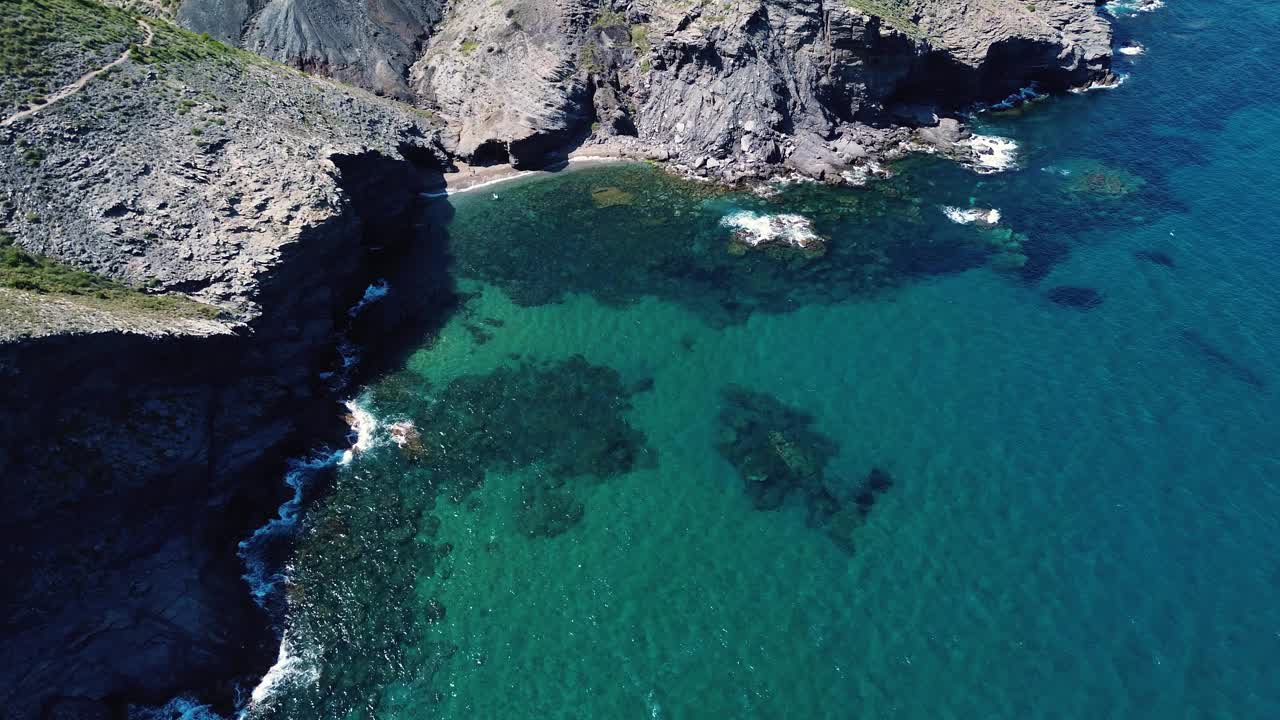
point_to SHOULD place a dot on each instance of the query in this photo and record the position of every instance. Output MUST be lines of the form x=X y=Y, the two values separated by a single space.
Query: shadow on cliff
x=408 y=250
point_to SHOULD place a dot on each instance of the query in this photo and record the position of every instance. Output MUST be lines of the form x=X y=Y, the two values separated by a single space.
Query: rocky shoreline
x=141 y=447
x=733 y=91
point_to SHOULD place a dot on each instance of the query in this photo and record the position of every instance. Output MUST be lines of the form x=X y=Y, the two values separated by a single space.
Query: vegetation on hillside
x=896 y=14
x=22 y=270
x=45 y=44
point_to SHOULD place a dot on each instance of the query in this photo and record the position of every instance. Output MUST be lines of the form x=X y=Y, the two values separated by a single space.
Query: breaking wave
x=259 y=551
x=179 y=708
x=1110 y=83
x=754 y=229
x=292 y=667
x=1124 y=8
x=364 y=426
x=991 y=153
x=982 y=216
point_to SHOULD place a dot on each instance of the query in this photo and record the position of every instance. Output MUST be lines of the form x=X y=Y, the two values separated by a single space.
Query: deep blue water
x=640 y=480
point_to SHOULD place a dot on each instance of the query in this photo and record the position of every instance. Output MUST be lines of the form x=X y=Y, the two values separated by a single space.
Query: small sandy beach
x=470 y=178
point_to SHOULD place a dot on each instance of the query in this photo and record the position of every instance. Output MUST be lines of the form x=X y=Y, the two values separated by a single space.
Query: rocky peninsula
x=193 y=195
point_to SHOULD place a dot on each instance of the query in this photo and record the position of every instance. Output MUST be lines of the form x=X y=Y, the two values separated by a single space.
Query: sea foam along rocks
x=990 y=153
x=787 y=230
x=986 y=217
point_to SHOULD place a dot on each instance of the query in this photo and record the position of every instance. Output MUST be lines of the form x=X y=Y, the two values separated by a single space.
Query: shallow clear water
x=586 y=521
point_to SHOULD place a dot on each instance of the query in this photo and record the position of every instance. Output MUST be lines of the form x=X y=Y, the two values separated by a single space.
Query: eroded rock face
x=824 y=87
x=370 y=43
x=506 y=77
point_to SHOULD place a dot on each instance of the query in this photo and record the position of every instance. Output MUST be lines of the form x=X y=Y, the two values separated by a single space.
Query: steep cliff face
x=370 y=43
x=507 y=77
x=827 y=87
x=139 y=448
x=727 y=89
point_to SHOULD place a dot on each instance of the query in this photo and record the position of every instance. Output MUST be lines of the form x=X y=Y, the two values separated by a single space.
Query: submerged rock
x=610 y=196
x=1155 y=257
x=366 y=578
x=779 y=455
x=1220 y=358
x=546 y=511
x=785 y=230
x=772 y=446
x=1093 y=178
x=1082 y=298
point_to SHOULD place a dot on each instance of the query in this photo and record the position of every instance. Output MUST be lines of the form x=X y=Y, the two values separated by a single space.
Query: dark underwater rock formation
x=772 y=446
x=1156 y=257
x=561 y=426
x=1081 y=298
x=1220 y=358
x=778 y=455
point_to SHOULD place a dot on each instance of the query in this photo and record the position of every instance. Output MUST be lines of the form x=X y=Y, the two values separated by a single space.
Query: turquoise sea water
x=639 y=480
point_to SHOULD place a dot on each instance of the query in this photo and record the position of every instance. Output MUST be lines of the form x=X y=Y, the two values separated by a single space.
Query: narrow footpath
x=78 y=85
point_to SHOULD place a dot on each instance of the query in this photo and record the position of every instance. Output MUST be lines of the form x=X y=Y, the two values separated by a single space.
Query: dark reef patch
x=662 y=236
x=1155 y=257
x=1082 y=298
x=773 y=447
x=358 y=593
x=778 y=454
x=1221 y=359
x=1042 y=255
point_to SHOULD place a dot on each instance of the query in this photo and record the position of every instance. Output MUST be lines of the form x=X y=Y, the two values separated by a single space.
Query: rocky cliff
x=142 y=439
x=731 y=89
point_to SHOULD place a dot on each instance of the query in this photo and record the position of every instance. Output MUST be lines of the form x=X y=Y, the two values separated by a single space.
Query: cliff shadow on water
x=134 y=466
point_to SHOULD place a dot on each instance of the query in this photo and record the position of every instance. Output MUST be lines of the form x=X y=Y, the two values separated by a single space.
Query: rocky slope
x=731 y=89
x=367 y=42
x=142 y=439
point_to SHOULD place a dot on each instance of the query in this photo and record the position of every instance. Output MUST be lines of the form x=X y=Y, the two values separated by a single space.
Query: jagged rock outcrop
x=366 y=42
x=140 y=448
x=824 y=87
x=828 y=88
x=507 y=77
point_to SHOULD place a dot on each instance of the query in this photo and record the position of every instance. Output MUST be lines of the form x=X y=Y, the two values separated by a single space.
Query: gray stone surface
x=139 y=449
x=366 y=42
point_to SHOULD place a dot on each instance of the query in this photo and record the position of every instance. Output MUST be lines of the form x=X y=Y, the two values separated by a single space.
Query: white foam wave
x=1134 y=48
x=404 y=433
x=1030 y=93
x=372 y=294
x=755 y=229
x=292 y=667
x=982 y=216
x=1110 y=83
x=1120 y=8
x=364 y=426
x=255 y=549
x=991 y=153
x=858 y=175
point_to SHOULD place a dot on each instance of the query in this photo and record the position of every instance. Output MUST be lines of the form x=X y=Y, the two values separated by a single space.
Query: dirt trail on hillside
x=79 y=84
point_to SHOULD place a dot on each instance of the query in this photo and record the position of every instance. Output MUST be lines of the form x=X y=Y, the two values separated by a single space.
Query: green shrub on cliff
x=45 y=44
x=895 y=14
x=22 y=270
